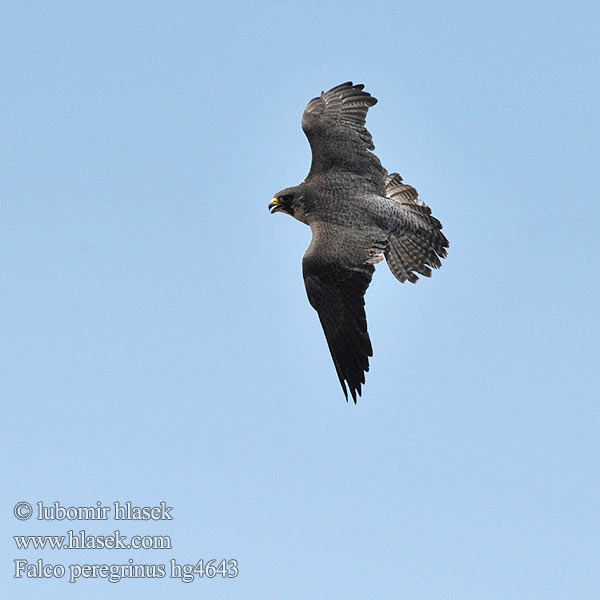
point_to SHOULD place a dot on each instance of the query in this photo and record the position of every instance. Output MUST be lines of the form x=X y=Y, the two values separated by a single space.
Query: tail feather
x=418 y=244
x=395 y=188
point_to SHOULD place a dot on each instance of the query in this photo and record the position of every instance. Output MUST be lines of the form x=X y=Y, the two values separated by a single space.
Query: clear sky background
x=157 y=343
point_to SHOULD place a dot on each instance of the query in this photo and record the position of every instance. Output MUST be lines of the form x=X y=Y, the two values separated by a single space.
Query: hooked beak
x=275 y=205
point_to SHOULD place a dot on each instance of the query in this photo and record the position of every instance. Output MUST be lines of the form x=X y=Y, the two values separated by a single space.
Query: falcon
x=358 y=214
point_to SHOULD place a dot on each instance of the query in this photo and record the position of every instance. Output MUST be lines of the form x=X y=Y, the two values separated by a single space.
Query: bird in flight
x=358 y=214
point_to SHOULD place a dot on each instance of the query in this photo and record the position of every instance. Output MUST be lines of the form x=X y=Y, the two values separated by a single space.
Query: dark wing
x=419 y=244
x=334 y=124
x=337 y=268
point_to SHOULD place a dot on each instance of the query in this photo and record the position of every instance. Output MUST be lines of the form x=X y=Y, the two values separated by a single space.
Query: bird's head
x=290 y=201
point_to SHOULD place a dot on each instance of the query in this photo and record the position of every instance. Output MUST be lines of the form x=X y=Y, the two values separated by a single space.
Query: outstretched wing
x=334 y=124
x=337 y=269
x=419 y=244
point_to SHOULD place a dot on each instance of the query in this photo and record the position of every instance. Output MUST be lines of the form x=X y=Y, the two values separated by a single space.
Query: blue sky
x=158 y=343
